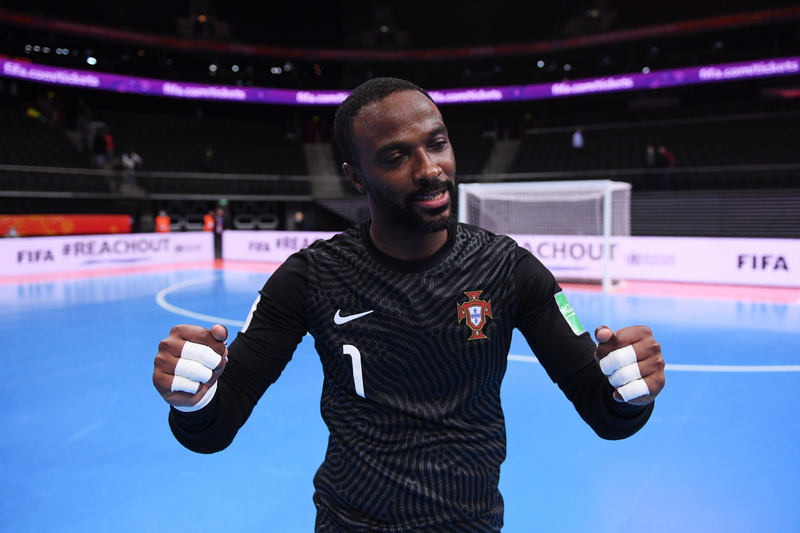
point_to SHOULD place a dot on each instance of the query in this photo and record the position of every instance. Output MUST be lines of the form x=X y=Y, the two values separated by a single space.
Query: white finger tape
x=181 y=384
x=617 y=359
x=624 y=375
x=193 y=370
x=205 y=400
x=634 y=389
x=201 y=353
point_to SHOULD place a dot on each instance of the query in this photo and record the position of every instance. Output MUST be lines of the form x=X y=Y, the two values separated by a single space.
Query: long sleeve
x=568 y=357
x=256 y=358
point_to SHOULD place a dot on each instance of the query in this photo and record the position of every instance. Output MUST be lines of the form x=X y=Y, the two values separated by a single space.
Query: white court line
x=697 y=368
x=735 y=368
x=162 y=302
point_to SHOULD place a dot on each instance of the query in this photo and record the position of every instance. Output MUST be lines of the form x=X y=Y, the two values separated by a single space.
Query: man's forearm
x=591 y=394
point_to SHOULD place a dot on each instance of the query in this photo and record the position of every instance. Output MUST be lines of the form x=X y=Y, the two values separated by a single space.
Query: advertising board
x=765 y=262
x=267 y=246
x=37 y=255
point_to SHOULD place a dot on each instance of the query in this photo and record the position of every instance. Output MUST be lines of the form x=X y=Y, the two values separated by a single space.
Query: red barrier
x=38 y=225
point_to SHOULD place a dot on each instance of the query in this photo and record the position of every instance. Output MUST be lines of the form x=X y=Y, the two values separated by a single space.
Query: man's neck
x=405 y=245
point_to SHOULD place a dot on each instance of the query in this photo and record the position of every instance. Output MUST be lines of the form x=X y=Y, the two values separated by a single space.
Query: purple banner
x=197 y=91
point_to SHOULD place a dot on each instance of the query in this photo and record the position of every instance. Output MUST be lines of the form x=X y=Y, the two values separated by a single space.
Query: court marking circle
x=161 y=300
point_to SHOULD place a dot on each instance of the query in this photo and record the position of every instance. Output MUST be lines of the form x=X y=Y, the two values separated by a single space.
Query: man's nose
x=427 y=167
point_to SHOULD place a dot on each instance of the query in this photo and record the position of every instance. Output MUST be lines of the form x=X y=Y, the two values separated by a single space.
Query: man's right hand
x=199 y=365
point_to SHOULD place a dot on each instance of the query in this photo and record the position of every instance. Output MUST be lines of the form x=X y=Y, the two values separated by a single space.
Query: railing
x=53 y=182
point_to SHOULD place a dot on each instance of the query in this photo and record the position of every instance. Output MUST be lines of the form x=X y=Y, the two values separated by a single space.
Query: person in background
x=162 y=222
x=219 y=226
x=131 y=161
x=577 y=139
x=665 y=161
x=208 y=221
x=650 y=157
x=299 y=221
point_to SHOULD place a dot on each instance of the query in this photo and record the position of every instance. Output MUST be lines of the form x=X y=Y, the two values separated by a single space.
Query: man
x=163 y=222
x=412 y=315
x=131 y=162
x=219 y=227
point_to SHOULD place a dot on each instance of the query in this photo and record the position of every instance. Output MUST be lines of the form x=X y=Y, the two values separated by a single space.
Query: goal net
x=593 y=208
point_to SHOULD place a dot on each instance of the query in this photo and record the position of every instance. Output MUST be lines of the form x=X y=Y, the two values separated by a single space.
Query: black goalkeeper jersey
x=413 y=354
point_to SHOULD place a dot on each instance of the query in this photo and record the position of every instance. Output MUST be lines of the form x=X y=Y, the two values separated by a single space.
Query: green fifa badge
x=569 y=314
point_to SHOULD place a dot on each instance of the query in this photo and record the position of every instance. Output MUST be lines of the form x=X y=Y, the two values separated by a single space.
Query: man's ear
x=355 y=176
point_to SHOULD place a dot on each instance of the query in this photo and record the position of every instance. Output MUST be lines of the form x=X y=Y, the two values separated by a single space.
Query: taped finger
x=625 y=375
x=201 y=353
x=193 y=370
x=634 y=389
x=181 y=384
x=205 y=400
x=617 y=359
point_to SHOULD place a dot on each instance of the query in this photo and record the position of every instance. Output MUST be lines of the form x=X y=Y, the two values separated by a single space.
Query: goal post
x=591 y=208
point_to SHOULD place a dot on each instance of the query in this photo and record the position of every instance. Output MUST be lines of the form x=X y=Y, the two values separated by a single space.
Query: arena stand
x=734 y=149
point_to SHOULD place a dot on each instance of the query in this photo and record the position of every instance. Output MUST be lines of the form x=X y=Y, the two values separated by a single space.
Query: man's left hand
x=631 y=359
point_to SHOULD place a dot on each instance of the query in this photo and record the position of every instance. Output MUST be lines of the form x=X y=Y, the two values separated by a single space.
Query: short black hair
x=365 y=94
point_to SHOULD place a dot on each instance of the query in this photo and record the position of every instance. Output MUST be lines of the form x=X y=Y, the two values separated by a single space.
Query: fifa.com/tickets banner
x=195 y=91
x=39 y=255
x=765 y=262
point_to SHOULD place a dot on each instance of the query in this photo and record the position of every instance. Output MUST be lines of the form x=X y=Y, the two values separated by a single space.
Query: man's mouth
x=434 y=199
x=432 y=196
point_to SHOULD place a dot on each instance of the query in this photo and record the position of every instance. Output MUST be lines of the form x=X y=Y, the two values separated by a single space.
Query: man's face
x=407 y=164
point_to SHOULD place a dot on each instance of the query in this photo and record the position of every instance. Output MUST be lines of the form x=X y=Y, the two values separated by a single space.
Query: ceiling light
x=91 y=60
x=235 y=68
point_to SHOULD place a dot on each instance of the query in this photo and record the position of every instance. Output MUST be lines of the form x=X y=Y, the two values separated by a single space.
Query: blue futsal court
x=87 y=447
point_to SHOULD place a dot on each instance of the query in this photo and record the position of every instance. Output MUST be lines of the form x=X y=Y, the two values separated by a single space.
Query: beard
x=407 y=216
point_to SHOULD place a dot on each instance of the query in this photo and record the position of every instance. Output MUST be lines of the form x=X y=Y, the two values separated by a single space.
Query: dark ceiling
x=420 y=24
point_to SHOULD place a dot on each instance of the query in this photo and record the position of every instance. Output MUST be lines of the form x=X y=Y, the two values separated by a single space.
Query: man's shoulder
x=346 y=243
x=469 y=232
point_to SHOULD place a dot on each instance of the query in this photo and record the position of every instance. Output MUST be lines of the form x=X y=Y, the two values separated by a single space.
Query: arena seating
x=27 y=141
x=471 y=146
x=734 y=140
x=177 y=143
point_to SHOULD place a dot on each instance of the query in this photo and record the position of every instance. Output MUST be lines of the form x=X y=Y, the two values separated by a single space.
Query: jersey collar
x=408 y=267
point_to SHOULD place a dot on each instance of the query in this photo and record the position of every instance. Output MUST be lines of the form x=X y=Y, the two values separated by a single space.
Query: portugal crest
x=475 y=311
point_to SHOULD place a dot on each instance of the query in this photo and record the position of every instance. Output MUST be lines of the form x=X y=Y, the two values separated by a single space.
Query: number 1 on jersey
x=358 y=378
